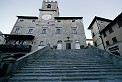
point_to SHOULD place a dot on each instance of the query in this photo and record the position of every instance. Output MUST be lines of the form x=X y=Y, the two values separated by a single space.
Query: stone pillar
x=8 y=65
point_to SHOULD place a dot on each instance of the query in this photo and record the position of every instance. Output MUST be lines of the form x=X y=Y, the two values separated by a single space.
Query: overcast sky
x=87 y=9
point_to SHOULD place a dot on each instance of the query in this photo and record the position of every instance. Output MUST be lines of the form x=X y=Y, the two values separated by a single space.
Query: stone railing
x=15 y=48
x=15 y=64
x=116 y=60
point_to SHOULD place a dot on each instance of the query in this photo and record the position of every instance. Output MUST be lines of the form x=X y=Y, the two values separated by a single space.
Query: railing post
x=7 y=66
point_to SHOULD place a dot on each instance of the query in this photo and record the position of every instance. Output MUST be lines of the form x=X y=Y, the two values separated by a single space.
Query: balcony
x=15 y=48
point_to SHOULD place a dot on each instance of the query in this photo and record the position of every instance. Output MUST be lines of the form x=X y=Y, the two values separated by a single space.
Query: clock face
x=46 y=17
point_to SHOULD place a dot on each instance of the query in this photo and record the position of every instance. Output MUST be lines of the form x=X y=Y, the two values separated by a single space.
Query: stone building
x=50 y=29
x=97 y=24
x=2 y=40
x=112 y=36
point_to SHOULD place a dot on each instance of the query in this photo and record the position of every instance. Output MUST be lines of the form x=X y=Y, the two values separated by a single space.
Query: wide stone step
x=65 y=78
x=65 y=64
x=54 y=64
x=70 y=62
x=73 y=68
x=64 y=81
x=46 y=66
x=69 y=71
x=68 y=74
x=82 y=61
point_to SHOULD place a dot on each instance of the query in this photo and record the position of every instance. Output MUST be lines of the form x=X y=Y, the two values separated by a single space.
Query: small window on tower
x=41 y=43
x=21 y=20
x=58 y=31
x=74 y=30
x=33 y=20
x=73 y=20
x=30 y=31
x=49 y=6
x=17 y=30
x=44 y=31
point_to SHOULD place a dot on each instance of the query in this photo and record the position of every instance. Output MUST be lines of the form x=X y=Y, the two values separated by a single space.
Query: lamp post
x=102 y=41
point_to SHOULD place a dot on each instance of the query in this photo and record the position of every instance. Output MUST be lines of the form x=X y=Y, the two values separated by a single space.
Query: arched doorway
x=41 y=45
x=77 y=44
x=59 y=45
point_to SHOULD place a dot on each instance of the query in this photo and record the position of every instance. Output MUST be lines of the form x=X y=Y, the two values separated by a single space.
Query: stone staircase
x=68 y=66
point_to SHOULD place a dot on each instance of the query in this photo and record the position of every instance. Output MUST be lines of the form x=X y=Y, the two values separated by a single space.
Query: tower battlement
x=49 y=1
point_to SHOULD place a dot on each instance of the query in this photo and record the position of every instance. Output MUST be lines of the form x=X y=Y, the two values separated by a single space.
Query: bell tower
x=48 y=11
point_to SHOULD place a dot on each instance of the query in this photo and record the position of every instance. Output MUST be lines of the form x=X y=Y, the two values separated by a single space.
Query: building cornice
x=98 y=18
x=27 y=17
x=113 y=22
x=19 y=37
x=65 y=18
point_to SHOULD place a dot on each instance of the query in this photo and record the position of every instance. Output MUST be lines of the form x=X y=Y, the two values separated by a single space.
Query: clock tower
x=48 y=11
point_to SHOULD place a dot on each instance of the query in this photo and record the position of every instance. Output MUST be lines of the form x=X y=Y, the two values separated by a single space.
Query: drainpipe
x=100 y=36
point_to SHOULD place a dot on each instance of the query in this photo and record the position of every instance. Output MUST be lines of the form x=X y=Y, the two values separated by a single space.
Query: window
x=58 y=20
x=104 y=34
x=30 y=31
x=49 y=6
x=24 y=42
x=17 y=30
x=73 y=20
x=33 y=20
x=16 y=42
x=19 y=42
x=41 y=43
x=44 y=31
x=74 y=31
x=114 y=39
x=110 y=30
x=21 y=20
x=93 y=34
x=107 y=43
x=58 y=31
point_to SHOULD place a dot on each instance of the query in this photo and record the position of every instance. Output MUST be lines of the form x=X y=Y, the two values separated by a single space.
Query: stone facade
x=112 y=36
x=50 y=29
x=2 y=40
x=96 y=26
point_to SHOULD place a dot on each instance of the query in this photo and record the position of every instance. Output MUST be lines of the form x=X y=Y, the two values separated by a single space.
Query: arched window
x=49 y=6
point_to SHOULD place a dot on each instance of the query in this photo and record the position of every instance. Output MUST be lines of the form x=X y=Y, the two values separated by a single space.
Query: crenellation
x=49 y=1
